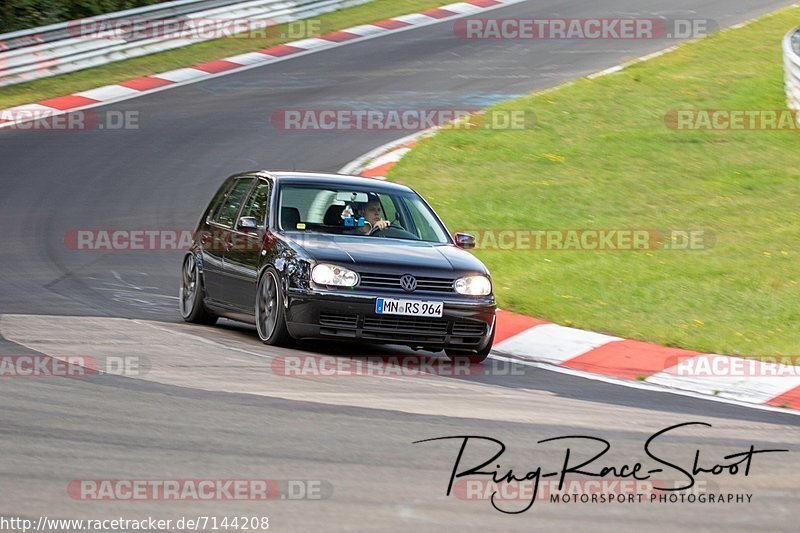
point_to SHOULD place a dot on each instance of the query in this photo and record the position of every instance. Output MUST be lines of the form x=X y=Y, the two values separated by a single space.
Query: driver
x=372 y=211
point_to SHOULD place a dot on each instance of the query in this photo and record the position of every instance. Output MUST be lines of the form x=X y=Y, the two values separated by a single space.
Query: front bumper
x=466 y=322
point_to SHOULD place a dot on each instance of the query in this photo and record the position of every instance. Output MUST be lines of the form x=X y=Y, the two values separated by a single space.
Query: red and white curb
x=720 y=376
x=729 y=379
x=175 y=78
x=376 y=164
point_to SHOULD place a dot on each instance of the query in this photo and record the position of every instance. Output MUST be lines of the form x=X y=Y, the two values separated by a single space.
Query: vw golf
x=324 y=256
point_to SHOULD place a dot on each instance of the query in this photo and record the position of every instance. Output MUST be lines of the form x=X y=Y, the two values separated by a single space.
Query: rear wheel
x=270 y=314
x=192 y=294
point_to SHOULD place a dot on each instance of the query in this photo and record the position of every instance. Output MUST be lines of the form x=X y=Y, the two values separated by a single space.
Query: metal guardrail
x=54 y=32
x=55 y=49
x=791 y=62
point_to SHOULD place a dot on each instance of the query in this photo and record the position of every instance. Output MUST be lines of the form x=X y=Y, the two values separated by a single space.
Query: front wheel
x=270 y=314
x=192 y=294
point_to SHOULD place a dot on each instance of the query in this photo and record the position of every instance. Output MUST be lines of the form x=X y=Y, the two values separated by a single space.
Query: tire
x=472 y=357
x=270 y=314
x=192 y=294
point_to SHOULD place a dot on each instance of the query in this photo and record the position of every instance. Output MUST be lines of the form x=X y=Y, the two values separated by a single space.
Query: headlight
x=333 y=275
x=474 y=286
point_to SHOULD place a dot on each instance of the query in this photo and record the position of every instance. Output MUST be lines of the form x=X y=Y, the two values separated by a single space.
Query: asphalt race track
x=209 y=405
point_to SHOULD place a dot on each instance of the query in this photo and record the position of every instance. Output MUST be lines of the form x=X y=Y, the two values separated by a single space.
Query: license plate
x=388 y=306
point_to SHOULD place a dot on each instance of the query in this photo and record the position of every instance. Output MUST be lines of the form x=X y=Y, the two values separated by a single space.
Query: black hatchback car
x=325 y=256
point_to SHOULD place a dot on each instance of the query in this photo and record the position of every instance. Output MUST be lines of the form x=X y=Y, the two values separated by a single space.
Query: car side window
x=389 y=209
x=258 y=204
x=229 y=207
x=418 y=226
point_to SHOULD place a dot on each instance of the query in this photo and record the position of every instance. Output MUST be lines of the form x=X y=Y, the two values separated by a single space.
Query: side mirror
x=247 y=224
x=465 y=241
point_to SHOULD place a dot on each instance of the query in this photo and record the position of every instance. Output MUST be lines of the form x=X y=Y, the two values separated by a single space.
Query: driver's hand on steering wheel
x=381 y=225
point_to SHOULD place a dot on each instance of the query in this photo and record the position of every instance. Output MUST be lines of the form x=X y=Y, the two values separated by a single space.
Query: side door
x=220 y=225
x=242 y=258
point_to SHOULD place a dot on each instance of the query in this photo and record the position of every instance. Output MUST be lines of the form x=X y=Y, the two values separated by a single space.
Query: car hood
x=385 y=254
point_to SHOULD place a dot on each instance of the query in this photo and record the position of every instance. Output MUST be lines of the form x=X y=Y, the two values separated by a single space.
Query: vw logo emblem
x=408 y=282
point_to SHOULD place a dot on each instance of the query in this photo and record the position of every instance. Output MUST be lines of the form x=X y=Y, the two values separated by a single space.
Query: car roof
x=338 y=179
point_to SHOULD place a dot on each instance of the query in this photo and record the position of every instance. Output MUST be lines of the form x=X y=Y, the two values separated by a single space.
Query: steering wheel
x=395 y=224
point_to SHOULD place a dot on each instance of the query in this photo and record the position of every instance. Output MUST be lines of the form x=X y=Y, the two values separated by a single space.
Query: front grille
x=468 y=328
x=392 y=282
x=406 y=324
x=335 y=320
x=403 y=329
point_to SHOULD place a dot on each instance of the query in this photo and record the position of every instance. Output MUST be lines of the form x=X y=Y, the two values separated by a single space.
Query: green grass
x=601 y=156
x=198 y=53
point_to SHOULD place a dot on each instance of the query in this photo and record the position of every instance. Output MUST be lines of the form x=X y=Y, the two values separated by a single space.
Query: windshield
x=359 y=212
